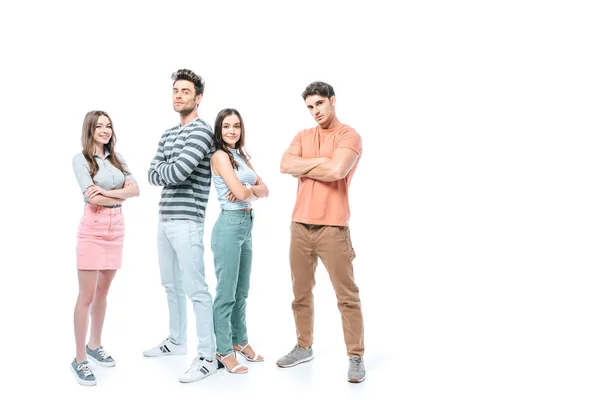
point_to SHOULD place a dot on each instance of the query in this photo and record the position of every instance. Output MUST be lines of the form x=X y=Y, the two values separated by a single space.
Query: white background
x=474 y=208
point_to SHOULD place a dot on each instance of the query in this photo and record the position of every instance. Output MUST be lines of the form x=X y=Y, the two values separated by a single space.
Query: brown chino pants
x=333 y=246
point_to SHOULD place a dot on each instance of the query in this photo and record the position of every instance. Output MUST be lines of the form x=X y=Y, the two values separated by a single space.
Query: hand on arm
x=130 y=189
x=197 y=146
x=260 y=189
x=294 y=164
x=96 y=195
x=153 y=177
x=336 y=168
x=222 y=166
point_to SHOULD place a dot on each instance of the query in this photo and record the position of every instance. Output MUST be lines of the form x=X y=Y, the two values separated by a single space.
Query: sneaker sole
x=101 y=363
x=296 y=363
x=164 y=354
x=190 y=380
x=81 y=381
x=354 y=380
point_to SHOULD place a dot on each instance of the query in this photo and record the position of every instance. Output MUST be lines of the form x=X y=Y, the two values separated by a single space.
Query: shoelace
x=195 y=364
x=355 y=361
x=85 y=369
x=103 y=353
x=295 y=350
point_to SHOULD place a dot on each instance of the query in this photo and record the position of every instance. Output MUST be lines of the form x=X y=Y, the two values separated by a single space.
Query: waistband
x=242 y=212
x=103 y=210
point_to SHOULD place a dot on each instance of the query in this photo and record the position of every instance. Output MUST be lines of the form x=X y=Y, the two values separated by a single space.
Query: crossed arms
x=321 y=168
x=101 y=197
x=222 y=166
x=164 y=173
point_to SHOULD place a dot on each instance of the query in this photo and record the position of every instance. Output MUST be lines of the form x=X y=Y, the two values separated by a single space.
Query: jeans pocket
x=234 y=220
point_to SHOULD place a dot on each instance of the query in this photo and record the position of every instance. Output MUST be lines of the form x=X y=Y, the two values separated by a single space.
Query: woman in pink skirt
x=105 y=182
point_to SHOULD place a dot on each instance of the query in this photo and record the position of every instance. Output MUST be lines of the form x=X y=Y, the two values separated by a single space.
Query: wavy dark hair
x=321 y=88
x=88 y=145
x=191 y=76
x=221 y=145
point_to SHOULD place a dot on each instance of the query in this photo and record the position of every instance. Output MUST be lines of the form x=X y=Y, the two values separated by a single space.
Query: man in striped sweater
x=182 y=167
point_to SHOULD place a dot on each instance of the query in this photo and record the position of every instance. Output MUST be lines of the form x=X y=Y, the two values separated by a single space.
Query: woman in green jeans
x=237 y=185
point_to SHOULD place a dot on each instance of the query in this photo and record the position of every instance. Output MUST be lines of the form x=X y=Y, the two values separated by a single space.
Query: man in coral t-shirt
x=323 y=159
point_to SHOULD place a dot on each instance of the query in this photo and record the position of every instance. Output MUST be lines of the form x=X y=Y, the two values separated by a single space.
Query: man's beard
x=184 y=110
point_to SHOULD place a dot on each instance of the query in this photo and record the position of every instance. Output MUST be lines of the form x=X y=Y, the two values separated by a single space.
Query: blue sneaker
x=100 y=356
x=83 y=373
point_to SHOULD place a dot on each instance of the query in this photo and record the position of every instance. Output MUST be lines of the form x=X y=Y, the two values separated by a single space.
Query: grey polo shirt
x=108 y=176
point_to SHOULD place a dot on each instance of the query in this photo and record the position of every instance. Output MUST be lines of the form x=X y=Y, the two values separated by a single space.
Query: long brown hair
x=88 y=145
x=221 y=145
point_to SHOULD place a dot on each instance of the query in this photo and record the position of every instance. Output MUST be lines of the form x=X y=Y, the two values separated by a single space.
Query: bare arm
x=130 y=189
x=260 y=189
x=341 y=163
x=222 y=166
x=100 y=200
x=294 y=164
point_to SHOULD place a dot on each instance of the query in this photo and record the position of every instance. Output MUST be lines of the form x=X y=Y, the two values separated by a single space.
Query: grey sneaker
x=100 y=356
x=297 y=356
x=83 y=373
x=356 y=370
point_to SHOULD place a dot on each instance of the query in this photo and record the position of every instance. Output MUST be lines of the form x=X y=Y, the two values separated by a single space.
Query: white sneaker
x=199 y=369
x=166 y=348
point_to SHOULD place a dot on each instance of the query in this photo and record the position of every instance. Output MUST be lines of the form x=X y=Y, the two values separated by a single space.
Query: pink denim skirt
x=100 y=238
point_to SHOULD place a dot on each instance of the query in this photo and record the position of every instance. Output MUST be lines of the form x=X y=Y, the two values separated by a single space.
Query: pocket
x=234 y=220
x=89 y=220
x=345 y=234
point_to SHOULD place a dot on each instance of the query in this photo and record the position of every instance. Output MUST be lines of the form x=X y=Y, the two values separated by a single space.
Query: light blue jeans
x=181 y=261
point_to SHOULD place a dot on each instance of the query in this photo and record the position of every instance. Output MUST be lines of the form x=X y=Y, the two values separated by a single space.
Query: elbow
x=247 y=195
x=337 y=174
x=283 y=168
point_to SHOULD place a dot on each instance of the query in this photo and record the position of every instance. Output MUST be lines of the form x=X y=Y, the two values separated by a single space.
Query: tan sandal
x=247 y=357
x=234 y=370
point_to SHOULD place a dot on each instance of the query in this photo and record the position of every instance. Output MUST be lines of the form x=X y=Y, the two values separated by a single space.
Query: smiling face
x=103 y=131
x=231 y=130
x=322 y=109
x=185 y=99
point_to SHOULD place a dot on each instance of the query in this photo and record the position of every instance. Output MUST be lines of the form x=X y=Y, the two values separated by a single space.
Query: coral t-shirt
x=325 y=203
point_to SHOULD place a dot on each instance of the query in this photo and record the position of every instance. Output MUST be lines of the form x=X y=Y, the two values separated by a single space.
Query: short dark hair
x=320 y=88
x=188 y=75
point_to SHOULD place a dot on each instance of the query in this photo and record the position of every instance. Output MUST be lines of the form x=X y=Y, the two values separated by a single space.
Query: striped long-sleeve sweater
x=182 y=167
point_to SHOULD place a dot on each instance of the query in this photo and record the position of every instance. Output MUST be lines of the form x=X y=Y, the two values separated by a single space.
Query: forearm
x=154 y=178
x=100 y=200
x=260 y=191
x=124 y=193
x=295 y=165
x=327 y=171
x=172 y=173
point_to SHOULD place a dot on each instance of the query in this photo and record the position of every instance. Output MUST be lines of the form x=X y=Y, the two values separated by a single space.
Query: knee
x=349 y=300
x=196 y=291
x=241 y=295
x=101 y=292
x=85 y=299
